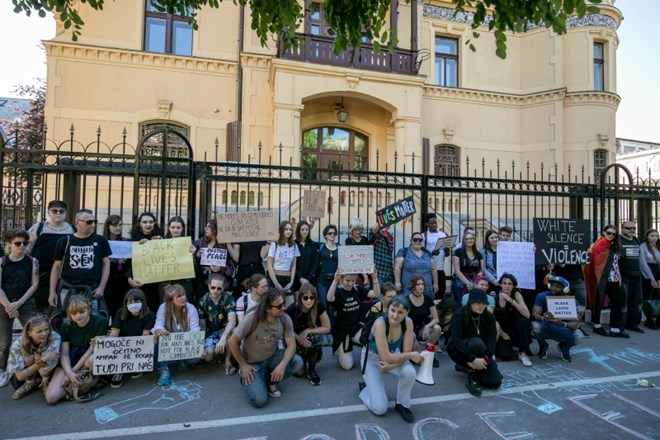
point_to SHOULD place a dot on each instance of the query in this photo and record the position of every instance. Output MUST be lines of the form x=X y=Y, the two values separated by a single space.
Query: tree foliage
x=350 y=21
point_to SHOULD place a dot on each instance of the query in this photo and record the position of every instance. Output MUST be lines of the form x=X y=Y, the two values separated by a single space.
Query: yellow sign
x=162 y=260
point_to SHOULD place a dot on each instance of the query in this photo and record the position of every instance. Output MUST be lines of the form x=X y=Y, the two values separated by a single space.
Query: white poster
x=182 y=345
x=214 y=257
x=133 y=354
x=517 y=258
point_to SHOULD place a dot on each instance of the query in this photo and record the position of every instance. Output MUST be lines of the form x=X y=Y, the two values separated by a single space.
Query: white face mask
x=134 y=308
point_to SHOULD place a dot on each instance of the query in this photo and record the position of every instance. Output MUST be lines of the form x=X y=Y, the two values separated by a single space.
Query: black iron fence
x=160 y=176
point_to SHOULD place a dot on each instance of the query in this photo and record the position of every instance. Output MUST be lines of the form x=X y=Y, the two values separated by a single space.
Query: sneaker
x=136 y=375
x=601 y=331
x=543 y=351
x=522 y=357
x=314 y=378
x=584 y=333
x=406 y=414
x=635 y=329
x=164 y=378
x=116 y=381
x=4 y=378
x=473 y=386
x=564 y=353
x=619 y=334
x=273 y=391
x=24 y=389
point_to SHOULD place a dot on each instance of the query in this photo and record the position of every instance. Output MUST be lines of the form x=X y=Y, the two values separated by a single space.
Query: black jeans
x=491 y=376
x=632 y=299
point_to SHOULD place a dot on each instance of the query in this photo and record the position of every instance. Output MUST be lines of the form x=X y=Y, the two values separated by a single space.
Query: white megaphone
x=425 y=372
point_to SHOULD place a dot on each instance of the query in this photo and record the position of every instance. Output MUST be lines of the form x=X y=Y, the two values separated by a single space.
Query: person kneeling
x=388 y=351
x=472 y=343
x=262 y=360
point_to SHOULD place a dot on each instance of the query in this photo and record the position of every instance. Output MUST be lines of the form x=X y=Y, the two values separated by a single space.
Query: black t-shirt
x=420 y=315
x=469 y=266
x=301 y=320
x=629 y=261
x=16 y=276
x=347 y=304
x=133 y=325
x=81 y=336
x=82 y=258
x=250 y=252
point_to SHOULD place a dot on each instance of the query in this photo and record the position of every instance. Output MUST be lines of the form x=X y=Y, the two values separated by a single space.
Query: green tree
x=349 y=20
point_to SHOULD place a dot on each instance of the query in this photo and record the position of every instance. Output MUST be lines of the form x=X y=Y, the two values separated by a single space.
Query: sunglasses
x=417 y=240
x=58 y=211
x=21 y=243
x=630 y=228
x=279 y=306
x=89 y=222
x=609 y=234
x=331 y=233
x=308 y=298
x=214 y=287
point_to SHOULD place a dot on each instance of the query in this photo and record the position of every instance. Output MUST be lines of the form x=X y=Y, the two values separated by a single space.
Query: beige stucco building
x=552 y=100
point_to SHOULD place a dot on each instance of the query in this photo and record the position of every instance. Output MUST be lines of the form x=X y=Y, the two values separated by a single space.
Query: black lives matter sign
x=561 y=241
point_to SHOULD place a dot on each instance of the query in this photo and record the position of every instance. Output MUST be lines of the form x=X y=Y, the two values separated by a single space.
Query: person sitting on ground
x=546 y=326
x=133 y=319
x=310 y=322
x=423 y=314
x=388 y=291
x=262 y=361
x=175 y=315
x=33 y=357
x=472 y=344
x=346 y=299
x=389 y=351
x=512 y=315
x=78 y=332
x=217 y=316
x=256 y=286
x=446 y=309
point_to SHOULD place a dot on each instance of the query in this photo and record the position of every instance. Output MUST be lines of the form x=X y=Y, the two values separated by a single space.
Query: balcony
x=318 y=49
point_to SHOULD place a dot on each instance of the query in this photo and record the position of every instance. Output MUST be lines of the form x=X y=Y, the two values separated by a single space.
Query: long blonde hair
x=26 y=344
x=173 y=316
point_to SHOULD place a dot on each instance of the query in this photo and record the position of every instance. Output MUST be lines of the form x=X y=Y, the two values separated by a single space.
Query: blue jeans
x=6 y=328
x=256 y=392
x=547 y=330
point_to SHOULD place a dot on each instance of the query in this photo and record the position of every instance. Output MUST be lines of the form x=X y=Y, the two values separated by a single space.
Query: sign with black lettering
x=562 y=307
x=560 y=241
x=213 y=257
x=313 y=203
x=356 y=259
x=239 y=227
x=179 y=346
x=395 y=212
x=134 y=354
x=162 y=260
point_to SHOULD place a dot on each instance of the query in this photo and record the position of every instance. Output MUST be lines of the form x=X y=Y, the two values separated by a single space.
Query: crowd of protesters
x=270 y=310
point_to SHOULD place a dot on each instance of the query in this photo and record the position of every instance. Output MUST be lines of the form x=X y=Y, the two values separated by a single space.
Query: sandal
x=230 y=370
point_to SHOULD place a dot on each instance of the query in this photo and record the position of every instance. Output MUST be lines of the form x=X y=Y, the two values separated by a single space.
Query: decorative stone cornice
x=139 y=58
x=592 y=97
x=257 y=61
x=488 y=97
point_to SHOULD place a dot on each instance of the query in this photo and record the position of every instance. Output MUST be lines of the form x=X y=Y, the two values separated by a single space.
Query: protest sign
x=395 y=212
x=121 y=249
x=562 y=307
x=356 y=259
x=182 y=345
x=561 y=241
x=313 y=204
x=239 y=227
x=517 y=258
x=446 y=242
x=162 y=260
x=213 y=257
x=133 y=354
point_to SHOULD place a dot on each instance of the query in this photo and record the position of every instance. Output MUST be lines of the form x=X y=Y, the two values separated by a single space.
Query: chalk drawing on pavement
x=497 y=420
x=364 y=431
x=425 y=425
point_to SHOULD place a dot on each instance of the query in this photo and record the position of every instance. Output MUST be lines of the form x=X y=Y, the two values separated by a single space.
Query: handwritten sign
x=562 y=241
x=356 y=259
x=446 y=242
x=313 y=203
x=395 y=212
x=214 y=257
x=562 y=307
x=133 y=354
x=179 y=346
x=121 y=249
x=162 y=260
x=517 y=258
x=239 y=227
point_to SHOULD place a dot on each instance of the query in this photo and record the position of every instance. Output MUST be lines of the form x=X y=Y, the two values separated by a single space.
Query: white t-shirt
x=430 y=239
x=240 y=304
x=282 y=256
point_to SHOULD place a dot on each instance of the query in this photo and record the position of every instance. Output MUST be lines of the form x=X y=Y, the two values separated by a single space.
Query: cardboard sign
x=447 y=242
x=133 y=354
x=314 y=203
x=239 y=227
x=562 y=241
x=517 y=258
x=395 y=212
x=562 y=307
x=121 y=249
x=356 y=259
x=179 y=346
x=213 y=257
x=162 y=260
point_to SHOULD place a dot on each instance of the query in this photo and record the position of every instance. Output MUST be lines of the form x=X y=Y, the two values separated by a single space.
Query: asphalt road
x=597 y=395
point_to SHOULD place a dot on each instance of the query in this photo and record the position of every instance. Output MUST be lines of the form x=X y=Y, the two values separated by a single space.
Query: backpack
x=366 y=337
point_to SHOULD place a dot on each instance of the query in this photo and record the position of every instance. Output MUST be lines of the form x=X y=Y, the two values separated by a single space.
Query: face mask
x=134 y=308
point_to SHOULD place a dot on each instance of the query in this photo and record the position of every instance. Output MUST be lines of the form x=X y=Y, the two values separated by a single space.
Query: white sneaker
x=522 y=357
x=4 y=378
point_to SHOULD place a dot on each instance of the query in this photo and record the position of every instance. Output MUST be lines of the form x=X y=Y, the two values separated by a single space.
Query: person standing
x=431 y=237
x=649 y=258
x=631 y=277
x=307 y=264
x=43 y=237
x=383 y=243
x=82 y=264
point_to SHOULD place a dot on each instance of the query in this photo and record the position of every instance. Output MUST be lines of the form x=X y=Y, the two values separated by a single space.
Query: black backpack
x=365 y=336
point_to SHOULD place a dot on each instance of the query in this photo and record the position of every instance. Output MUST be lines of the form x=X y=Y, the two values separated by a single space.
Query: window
x=600 y=162
x=446 y=161
x=317 y=24
x=167 y=33
x=599 y=67
x=446 y=62
x=334 y=148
